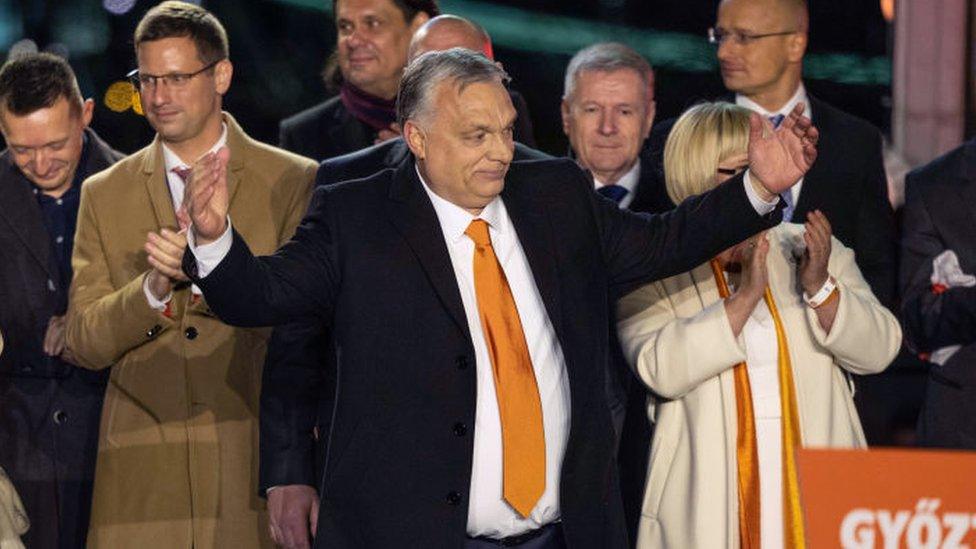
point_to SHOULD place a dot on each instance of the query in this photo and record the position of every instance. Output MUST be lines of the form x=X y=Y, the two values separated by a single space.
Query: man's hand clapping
x=779 y=158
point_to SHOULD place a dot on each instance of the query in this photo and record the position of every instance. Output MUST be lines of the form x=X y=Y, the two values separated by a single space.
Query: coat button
x=453 y=498
x=50 y=286
x=191 y=333
x=59 y=417
x=151 y=332
x=461 y=362
x=460 y=429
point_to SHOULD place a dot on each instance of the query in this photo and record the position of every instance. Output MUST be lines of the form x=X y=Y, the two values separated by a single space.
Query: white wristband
x=821 y=296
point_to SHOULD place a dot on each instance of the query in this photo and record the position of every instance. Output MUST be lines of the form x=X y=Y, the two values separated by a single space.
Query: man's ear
x=797 y=47
x=416 y=139
x=223 y=73
x=651 y=111
x=564 y=110
x=87 y=110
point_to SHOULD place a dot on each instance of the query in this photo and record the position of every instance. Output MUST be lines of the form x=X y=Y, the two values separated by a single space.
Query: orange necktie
x=519 y=407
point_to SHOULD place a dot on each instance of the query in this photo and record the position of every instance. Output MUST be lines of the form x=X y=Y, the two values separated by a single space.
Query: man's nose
x=608 y=123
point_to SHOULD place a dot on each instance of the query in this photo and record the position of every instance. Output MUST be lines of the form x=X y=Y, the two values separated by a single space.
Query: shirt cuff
x=210 y=255
x=761 y=206
x=153 y=302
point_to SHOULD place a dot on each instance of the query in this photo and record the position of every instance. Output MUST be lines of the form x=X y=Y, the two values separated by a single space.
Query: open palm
x=205 y=201
x=779 y=158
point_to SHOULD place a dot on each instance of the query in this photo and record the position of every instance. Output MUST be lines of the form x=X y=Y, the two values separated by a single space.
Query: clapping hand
x=205 y=201
x=779 y=158
x=813 y=262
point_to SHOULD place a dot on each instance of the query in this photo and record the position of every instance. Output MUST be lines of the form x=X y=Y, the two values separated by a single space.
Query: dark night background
x=279 y=46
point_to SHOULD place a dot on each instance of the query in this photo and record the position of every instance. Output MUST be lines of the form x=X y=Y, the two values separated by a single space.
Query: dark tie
x=787 y=196
x=613 y=192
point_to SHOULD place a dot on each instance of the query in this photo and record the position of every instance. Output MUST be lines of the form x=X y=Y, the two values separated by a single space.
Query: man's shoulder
x=944 y=169
x=525 y=152
x=119 y=176
x=361 y=163
x=830 y=119
x=312 y=115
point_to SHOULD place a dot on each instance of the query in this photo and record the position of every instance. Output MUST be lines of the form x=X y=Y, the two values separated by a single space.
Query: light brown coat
x=177 y=456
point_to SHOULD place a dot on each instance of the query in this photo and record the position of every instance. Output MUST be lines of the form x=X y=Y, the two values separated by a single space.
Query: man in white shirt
x=178 y=435
x=424 y=450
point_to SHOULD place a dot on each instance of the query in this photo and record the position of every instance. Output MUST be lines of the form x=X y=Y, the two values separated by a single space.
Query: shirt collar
x=627 y=180
x=454 y=219
x=799 y=96
x=171 y=160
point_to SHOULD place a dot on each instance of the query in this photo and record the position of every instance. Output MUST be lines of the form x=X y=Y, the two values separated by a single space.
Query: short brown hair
x=35 y=81
x=174 y=19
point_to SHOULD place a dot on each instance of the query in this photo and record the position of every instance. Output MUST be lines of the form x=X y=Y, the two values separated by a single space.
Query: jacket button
x=151 y=332
x=191 y=333
x=453 y=498
x=59 y=417
x=460 y=429
x=461 y=362
x=26 y=368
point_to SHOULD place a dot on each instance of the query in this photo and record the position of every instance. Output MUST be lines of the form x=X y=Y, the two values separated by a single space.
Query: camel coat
x=178 y=443
x=677 y=337
x=13 y=519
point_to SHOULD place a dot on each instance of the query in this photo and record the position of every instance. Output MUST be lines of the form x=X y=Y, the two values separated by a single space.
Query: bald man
x=450 y=31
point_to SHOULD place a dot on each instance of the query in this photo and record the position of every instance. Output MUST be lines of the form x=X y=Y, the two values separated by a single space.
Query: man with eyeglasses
x=760 y=48
x=49 y=408
x=178 y=443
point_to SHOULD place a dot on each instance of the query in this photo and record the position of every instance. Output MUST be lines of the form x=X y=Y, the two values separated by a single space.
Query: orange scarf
x=746 y=453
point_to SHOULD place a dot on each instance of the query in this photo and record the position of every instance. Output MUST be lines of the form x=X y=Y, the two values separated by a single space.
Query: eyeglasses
x=172 y=80
x=718 y=36
x=731 y=171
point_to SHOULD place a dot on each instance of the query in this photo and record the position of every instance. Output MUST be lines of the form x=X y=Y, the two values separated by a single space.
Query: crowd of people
x=404 y=326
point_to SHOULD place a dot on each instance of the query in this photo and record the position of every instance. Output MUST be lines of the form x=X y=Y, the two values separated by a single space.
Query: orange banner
x=859 y=499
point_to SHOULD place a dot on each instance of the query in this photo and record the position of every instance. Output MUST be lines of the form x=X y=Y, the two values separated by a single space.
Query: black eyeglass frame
x=716 y=36
x=135 y=77
x=732 y=171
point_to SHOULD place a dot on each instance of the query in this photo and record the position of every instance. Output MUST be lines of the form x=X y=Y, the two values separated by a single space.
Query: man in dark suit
x=938 y=311
x=607 y=112
x=459 y=292
x=334 y=128
x=761 y=45
x=291 y=462
x=49 y=408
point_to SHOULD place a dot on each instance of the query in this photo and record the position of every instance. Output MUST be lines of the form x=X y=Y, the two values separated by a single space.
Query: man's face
x=373 y=40
x=761 y=64
x=607 y=120
x=464 y=146
x=46 y=144
x=180 y=112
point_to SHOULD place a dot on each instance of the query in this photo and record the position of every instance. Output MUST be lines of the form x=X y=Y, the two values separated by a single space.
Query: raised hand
x=205 y=201
x=751 y=256
x=779 y=158
x=813 y=264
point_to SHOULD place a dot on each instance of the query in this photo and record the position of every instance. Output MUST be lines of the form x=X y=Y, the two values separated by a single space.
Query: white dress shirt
x=488 y=513
x=628 y=181
x=799 y=97
x=176 y=188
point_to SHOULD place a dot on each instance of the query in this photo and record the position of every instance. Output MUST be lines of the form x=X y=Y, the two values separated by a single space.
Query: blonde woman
x=748 y=356
x=13 y=519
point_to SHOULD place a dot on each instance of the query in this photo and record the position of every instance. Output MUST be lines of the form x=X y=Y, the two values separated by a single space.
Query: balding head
x=450 y=31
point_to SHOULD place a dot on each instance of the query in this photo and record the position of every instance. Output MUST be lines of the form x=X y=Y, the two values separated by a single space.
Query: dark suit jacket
x=847 y=183
x=940 y=200
x=49 y=409
x=329 y=129
x=287 y=455
x=370 y=260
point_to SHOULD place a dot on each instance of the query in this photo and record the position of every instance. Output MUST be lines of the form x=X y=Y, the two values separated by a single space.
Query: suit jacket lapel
x=154 y=173
x=20 y=211
x=414 y=217
x=238 y=142
x=536 y=234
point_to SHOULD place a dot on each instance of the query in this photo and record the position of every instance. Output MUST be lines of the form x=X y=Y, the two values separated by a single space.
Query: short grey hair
x=460 y=66
x=607 y=57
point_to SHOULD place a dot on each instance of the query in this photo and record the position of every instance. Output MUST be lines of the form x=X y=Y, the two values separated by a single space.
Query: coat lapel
x=414 y=217
x=536 y=234
x=154 y=178
x=20 y=211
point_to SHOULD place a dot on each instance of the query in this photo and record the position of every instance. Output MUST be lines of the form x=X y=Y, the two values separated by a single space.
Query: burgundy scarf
x=371 y=110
